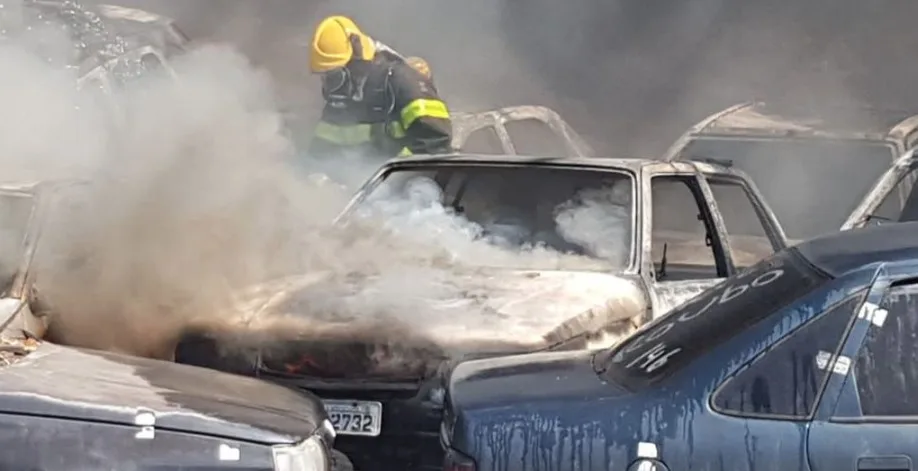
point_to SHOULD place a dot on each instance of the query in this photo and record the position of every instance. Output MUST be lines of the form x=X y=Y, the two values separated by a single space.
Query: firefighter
x=376 y=103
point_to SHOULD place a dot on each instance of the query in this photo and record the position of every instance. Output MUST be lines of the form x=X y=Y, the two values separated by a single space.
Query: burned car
x=102 y=410
x=545 y=286
x=814 y=170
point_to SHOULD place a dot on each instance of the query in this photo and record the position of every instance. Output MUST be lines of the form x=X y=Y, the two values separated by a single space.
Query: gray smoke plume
x=630 y=75
x=192 y=199
x=194 y=195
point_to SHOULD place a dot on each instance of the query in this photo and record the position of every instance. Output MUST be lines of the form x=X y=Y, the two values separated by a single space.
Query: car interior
x=681 y=245
x=519 y=205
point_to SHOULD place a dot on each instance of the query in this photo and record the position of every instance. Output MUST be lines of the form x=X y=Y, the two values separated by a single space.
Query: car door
x=868 y=419
x=685 y=252
x=751 y=232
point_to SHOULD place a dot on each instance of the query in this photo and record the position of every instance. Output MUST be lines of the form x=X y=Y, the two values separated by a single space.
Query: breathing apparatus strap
x=356 y=46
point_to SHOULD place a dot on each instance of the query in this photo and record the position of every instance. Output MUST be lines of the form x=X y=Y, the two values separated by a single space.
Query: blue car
x=807 y=360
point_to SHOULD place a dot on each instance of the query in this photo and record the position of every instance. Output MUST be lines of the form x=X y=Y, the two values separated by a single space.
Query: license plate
x=355 y=417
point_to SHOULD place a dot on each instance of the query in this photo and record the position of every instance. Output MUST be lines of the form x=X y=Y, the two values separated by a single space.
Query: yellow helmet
x=420 y=65
x=331 y=44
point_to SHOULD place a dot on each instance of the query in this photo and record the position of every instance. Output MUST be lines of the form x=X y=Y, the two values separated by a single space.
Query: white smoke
x=440 y=269
x=196 y=193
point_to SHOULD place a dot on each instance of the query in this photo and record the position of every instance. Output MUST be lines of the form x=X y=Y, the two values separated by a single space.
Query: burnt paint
x=76 y=384
x=553 y=412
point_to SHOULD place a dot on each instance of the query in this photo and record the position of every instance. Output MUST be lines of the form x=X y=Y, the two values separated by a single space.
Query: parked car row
x=700 y=334
x=699 y=239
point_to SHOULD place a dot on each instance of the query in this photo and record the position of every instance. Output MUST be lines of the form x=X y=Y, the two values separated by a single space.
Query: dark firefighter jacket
x=396 y=111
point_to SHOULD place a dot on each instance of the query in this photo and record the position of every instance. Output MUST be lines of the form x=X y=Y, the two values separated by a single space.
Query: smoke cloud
x=191 y=193
x=630 y=75
x=194 y=195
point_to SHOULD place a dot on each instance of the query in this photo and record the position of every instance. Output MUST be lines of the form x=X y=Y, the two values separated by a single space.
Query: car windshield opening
x=811 y=184
x=699 y=325
x=559 y=218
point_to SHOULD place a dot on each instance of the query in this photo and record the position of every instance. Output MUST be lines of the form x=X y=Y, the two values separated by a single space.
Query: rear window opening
x=671 y=342
x=535 y=138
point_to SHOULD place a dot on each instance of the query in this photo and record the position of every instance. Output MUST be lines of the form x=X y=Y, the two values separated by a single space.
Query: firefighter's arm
x=423 y=116
x=329 y=137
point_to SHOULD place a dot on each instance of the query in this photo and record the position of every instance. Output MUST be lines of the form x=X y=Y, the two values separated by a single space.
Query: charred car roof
x=759 y=118
x=599 y=163
x=466 y=124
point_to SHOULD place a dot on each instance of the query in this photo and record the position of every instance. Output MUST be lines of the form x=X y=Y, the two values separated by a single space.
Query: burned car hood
x=324 y=326
x=97 y=386
x=482 y=305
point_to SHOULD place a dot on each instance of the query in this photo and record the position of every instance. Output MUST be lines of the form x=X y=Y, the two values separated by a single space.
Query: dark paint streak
x=599 y=428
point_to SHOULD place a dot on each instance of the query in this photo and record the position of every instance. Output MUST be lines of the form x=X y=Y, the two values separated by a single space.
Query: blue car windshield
x=685 y=333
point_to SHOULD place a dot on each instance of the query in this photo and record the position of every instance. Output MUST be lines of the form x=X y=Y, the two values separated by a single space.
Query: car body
x=803 y=362
x=103 y=32
x=710 y=217
x=145 y=28
x=113 y=45
x=813 y=170
x=103 y=410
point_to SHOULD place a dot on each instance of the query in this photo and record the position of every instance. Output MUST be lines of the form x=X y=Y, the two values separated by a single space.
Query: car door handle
x=884 y=463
